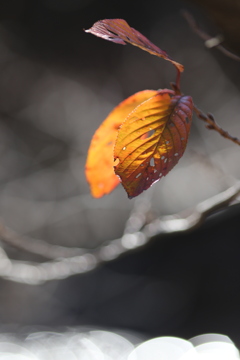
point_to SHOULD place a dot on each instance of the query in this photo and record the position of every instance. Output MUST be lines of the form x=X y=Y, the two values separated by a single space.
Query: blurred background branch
x=210 y=41
x=137 y=233
x=224 y=14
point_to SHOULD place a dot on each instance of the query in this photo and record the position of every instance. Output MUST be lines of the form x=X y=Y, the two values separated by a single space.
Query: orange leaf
x=118 y=31
x=99 y=165
x=152 y=140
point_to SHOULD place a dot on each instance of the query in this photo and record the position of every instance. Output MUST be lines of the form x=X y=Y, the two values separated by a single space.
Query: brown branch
x=210 y=41
x=212 y=125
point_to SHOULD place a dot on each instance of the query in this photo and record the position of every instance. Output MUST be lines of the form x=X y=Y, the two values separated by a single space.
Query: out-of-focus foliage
x=91 y=344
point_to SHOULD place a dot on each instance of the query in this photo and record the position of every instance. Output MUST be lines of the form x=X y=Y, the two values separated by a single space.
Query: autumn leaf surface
x=99 y=166
x=118 y=31
x=152 y=140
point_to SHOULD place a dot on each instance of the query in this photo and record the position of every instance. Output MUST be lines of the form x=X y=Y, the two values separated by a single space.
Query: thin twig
x=212 y=125
x=209 y=119
x=36 y=273
x=207 y=38
x=178 y=80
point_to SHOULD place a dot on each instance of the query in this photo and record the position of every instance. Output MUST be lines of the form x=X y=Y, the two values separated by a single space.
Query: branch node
x=210 y=116
x=210 y=127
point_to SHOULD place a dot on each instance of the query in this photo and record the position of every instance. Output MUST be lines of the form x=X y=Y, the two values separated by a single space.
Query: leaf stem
x=177 y=90
x=212 y=125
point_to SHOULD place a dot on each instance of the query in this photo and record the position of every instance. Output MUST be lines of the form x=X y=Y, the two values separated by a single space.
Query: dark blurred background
x=57 y=84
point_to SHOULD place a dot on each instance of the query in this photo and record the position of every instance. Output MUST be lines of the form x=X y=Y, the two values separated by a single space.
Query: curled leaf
x=118 y=31
x=152 y=140
x=99 y=166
